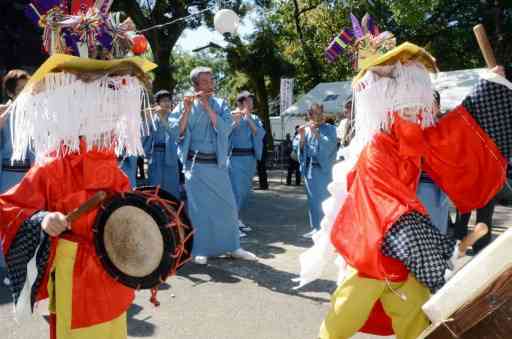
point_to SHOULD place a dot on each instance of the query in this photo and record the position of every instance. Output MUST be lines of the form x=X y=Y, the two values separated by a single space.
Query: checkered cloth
x=491 y=106
x=23 y=248
x=421 y=247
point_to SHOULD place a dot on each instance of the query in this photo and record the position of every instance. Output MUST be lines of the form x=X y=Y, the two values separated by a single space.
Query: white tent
x=330 y=94
x=453 y=86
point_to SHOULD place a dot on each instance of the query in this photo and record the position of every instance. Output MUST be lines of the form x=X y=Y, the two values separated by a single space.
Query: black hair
x=162 y=94
x=437 y=97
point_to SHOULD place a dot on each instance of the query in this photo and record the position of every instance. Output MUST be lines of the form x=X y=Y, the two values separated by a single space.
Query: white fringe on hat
x=408 y=89
x=106 y=112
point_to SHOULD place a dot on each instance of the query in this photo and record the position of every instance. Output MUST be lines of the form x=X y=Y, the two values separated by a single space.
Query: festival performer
x=161 y=148
x=128 y=165
x=246 y=147
x=316 y=150
x=11 y=172
x=204 y=122
x=374 y=219
x=75 y=147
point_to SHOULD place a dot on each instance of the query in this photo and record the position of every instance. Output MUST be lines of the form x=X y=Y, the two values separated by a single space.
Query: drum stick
x=485 y=45
x=86 y=207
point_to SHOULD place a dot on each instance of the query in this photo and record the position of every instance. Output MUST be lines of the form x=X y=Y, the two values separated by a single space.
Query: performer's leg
x=290 y=170
x=484 y=215
x=62 y=288
x=461 y=225
x=408 y=319
x=297 y=174
x=351 y=304
x=314 y=218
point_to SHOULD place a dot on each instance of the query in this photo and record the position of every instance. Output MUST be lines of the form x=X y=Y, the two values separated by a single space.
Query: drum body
x=477 y=301
x=142 y=237
x=489 y=316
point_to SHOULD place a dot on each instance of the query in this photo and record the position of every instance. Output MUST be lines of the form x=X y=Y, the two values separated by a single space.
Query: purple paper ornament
x=356 y=27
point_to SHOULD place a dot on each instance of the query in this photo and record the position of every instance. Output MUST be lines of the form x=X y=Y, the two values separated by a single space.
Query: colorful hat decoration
x=84 y=28
x=363 y=43
x=91 y=87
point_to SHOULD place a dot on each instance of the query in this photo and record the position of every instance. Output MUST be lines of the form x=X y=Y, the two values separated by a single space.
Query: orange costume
x=62 y=185
x=374 y=218
x=457 y=153
x=82 y=108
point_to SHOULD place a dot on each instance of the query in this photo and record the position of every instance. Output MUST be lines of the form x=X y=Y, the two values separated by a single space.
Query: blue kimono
x=246 y=149
x=435 y=201
x=161 y=150
x=129 y=166
x=316 y=159
x=211 y=204
x=11 y=172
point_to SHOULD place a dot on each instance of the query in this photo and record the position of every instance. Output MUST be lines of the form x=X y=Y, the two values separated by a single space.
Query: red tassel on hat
x=81 y=6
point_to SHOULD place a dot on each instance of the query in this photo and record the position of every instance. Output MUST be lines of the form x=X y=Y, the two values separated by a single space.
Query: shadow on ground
x=139 y=327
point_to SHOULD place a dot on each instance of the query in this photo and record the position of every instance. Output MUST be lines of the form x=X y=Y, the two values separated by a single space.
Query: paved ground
x=233 y=299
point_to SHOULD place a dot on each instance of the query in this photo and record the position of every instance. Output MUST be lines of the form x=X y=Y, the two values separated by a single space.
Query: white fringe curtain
x=407 y=90
x=106 y=112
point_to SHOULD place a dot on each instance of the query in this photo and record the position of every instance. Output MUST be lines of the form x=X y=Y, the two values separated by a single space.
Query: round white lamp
x=226 y=21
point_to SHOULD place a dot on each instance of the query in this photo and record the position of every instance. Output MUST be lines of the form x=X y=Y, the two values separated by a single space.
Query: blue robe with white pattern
x=243 y=167
x=316 y=159
x=210 y=200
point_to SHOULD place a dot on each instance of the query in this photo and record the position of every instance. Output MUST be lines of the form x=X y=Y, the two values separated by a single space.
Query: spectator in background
x=11 y=172
x=345 y=130
x=161 y=149
x=246 y=141
x=317 y=152
x=262 y=166
x=292 y=158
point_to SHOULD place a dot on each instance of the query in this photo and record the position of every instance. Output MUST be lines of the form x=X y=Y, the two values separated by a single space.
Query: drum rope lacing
x=180 y=250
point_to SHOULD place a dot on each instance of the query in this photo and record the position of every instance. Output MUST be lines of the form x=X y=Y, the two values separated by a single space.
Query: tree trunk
x=316 y=69
x=258 y=81
x=500 y=41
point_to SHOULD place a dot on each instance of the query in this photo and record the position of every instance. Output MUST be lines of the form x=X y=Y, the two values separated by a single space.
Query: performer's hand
x=203 y=99
x=302 y=131
x=3 y=114
x=54 y=223
x=236 y=115
x=500 y=70
x=187 y=103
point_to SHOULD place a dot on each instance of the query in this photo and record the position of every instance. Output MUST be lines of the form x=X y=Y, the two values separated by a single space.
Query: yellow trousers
x=60 y=287
x=352 y=302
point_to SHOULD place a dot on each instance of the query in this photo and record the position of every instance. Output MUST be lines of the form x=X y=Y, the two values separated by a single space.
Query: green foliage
x=226 y=81
x=444 y=27
x=411 y=12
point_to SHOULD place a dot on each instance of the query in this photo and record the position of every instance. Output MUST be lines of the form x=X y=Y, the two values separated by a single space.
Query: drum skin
x=133 y=239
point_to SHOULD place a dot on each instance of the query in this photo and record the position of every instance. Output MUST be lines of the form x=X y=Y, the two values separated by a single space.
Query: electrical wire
x=175 y=20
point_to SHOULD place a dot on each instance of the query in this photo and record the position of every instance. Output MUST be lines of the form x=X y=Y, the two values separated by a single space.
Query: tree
x=263 y=64
x=20 y=40
x=147 y=13
x=184 y=62
x=444 y=27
